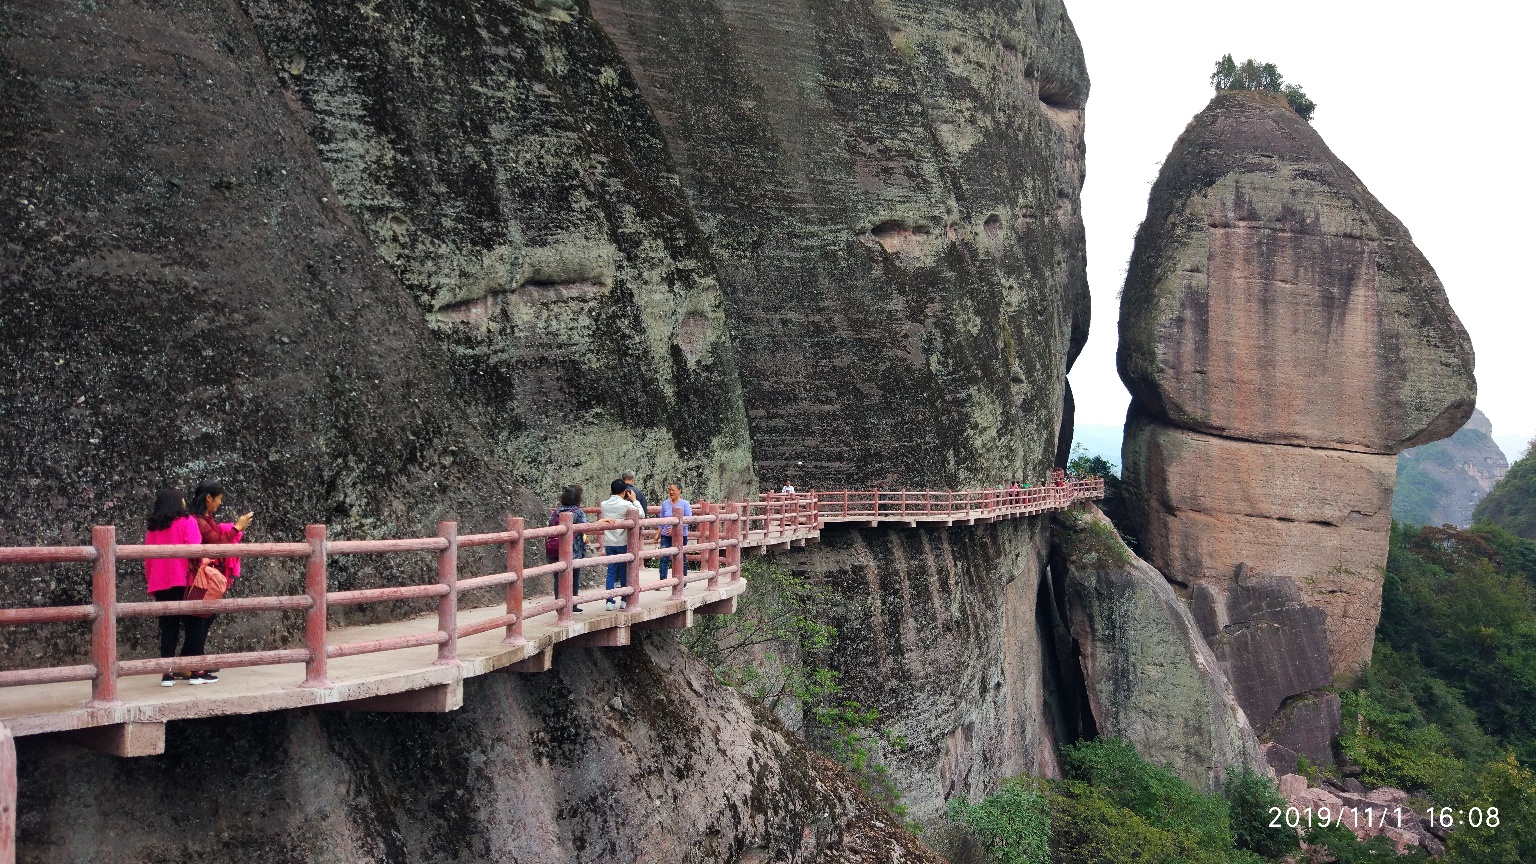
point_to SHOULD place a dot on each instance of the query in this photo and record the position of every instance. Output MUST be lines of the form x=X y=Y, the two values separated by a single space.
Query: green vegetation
x=1014 y=826
x=1086 y=464
x=767 y=650
x=1447 y=709
x=1512 y=503
x=1112 y=806
x=1253 y=75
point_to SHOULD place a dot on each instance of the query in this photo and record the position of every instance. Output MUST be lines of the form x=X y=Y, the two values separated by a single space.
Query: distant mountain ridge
x=1512 y=503
x=1442 y=482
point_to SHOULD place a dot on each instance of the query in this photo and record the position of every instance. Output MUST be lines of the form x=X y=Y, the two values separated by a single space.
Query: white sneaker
x=623 y=604
x=610 y=605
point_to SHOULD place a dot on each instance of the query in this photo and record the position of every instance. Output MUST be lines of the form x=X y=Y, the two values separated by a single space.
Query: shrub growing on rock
x=1250 y=795
x=1253 y=75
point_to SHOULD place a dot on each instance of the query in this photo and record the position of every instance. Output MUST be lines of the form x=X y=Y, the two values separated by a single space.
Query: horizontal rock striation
x=1283 y=340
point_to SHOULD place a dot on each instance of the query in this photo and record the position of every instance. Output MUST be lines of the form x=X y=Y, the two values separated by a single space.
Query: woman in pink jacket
x=166 y=579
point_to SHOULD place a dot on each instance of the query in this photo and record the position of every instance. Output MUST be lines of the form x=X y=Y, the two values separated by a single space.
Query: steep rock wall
x=1150 y=677
x=937 y=631
x=891 y=191
x=1283 y=340
x=632 y=754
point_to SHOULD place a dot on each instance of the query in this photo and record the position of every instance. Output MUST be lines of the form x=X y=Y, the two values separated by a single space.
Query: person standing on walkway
x=629 y=480
x=789 y=488
x=620 y=505
x=207 y=498
x=166 y=580
x=570 y=502
x=674 y=505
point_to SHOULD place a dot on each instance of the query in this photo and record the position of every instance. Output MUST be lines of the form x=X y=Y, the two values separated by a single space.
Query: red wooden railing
x=718 y=535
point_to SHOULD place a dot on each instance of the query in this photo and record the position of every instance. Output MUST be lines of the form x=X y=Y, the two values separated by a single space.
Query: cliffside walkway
x=419 y=664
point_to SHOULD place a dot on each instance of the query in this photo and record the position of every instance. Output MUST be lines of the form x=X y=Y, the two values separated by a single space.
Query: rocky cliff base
x=632 y=754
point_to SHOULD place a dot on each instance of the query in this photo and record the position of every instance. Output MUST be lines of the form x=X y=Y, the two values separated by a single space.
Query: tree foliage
x=1511 y=504
x=1253 y=75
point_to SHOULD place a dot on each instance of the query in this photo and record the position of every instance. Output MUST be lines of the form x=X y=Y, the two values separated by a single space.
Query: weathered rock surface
x=1441 y=483
x=891 y=193
x=1151 y=678
x=633 y=754
x=1251 y=528
x=937 y=631
x=1282 y=339
x=1272 y=298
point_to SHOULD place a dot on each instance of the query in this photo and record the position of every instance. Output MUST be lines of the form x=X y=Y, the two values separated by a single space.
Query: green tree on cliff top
x=1253 y=75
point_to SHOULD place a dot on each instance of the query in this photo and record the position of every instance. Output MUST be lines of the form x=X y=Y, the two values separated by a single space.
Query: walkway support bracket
x=120 y=739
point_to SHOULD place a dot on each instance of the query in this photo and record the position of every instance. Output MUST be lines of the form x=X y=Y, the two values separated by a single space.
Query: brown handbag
x=208 y=583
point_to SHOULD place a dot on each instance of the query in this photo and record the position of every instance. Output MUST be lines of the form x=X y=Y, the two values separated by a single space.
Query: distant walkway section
x=419 y=664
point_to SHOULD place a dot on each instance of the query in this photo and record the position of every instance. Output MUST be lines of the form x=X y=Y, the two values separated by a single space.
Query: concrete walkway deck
x=407 y=679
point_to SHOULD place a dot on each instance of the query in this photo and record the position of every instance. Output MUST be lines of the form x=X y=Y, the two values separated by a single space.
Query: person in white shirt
x=789 y=489
x=620 y=505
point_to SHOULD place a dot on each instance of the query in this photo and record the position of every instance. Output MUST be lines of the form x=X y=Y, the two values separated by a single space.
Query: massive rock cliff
x=1441 y=483
x=632 y=754
x=1283 y=340
x=380 y=264
x=891 y=194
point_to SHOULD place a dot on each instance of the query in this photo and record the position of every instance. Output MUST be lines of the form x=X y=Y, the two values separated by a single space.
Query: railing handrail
x=718 y=534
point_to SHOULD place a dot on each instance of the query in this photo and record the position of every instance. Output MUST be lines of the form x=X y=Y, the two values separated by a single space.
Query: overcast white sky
x=1429 y=104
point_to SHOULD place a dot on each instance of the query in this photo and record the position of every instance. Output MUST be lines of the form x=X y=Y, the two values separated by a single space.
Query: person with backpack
x=166 y=580
x=619 y=505
x=673 y=505
x=570 y=502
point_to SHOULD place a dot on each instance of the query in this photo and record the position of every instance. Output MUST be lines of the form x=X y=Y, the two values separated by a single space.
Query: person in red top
x=206 y=501
x=207 y=498
x=166 y=578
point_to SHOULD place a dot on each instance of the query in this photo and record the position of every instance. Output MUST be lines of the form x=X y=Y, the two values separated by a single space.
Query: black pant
x=575 y=572
x=171 y=627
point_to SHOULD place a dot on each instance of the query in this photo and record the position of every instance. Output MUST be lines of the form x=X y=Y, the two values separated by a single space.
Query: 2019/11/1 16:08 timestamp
x=1383 y=817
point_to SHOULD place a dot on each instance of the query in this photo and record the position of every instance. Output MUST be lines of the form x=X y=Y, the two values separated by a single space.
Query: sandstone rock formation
x=632 y=754
x=1283 y=340
x=937 y=631
x=1441 y=483
x=380 y=264
x=1150 y=677
x=891 y=194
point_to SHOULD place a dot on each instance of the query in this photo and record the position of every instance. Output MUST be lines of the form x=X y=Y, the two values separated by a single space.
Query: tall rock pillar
x=1283 y=340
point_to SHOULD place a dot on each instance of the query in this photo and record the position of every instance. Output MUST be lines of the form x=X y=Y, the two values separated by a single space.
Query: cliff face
x=378 y=265
x=1442 y=482
x=891 y=191
x=1150 y=677
x=937 y=631
x=606 y=757
x=1282 y=339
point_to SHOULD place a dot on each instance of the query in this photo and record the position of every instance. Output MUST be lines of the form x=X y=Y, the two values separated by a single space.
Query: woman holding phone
x=206 y=501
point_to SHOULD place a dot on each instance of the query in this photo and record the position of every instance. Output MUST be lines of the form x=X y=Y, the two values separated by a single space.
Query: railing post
x=678 y=551
x=314 y=619
x=903 y=502
x=737 y=534
x=634 y=544
x=712 y=557
x=7 y=797
x=104 y=625
x=448 y=604
x=515 y=546
x=566 y=577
